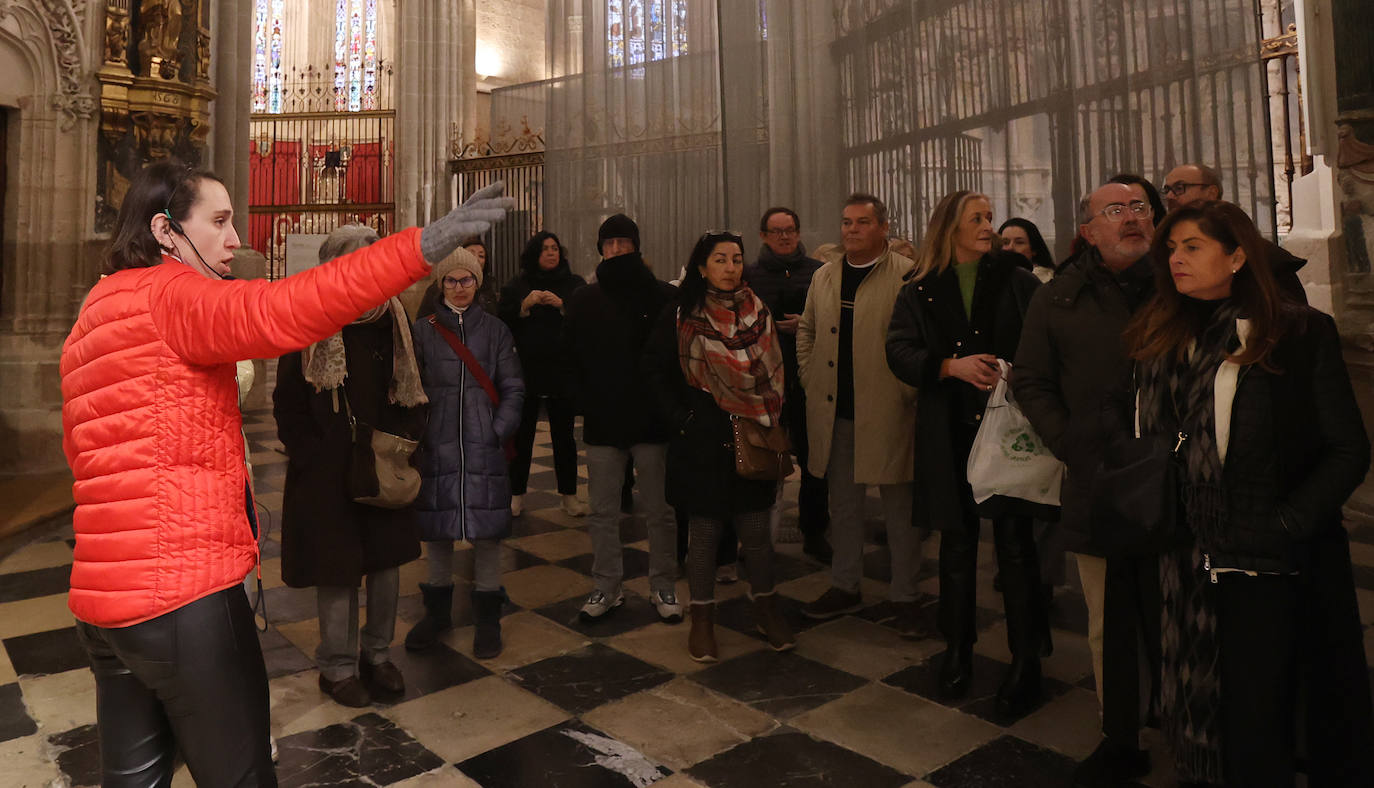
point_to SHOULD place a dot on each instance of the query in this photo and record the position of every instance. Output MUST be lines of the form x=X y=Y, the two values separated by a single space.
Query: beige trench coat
x=884 y=407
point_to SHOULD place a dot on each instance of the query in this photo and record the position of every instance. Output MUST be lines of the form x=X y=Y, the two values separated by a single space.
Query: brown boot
x=771 y=623
x=701 y=641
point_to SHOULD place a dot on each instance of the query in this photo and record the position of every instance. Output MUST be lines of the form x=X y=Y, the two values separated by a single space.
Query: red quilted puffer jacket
x=151 y=424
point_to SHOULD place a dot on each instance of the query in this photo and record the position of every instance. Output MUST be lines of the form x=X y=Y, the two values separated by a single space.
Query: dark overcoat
x=539 y=332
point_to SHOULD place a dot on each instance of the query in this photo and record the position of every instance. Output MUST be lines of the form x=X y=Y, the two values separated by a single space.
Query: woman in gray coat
x=465 y=490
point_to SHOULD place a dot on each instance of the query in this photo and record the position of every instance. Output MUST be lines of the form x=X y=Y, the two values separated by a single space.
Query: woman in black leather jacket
x=1258 y=597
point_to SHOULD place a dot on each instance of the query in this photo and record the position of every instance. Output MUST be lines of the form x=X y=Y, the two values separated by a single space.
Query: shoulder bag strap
x=469 y=361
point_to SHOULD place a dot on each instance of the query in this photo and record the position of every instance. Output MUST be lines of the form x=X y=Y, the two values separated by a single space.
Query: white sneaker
x=517 y=505
x=573 y=507
x=666 y=604
x=598 y=605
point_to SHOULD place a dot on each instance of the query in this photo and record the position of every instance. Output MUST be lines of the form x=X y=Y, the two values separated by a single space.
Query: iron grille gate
x=312 y=172
x=1036 y=101
x=523 y=174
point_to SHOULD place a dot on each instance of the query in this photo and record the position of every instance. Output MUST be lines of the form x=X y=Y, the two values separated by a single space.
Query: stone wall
x=510 y=41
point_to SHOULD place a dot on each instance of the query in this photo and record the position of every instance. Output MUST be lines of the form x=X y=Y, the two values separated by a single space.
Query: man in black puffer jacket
x=605 y=326
x=780 y=279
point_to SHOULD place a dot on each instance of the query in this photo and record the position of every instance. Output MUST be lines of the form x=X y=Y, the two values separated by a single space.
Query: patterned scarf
x=325 y=364
x=1190 y=690
x=729 y=348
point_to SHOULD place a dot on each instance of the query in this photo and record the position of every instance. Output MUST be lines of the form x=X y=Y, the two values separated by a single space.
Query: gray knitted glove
x=474 y=217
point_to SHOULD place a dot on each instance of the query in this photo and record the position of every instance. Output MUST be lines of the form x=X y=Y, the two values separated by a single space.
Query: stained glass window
x=341 y=56
x=355 y=55
x=267 y=52
x=645 y=30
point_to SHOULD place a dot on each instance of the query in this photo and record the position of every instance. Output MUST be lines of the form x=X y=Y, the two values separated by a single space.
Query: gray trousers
x=847 y=522
x=337 y=655
x=605 y=477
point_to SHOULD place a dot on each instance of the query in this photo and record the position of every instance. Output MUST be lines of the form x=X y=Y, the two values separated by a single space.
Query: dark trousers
x=813 y=500
x=191 y=680
x=1130 y=646
x=561 y=412
x=1256 y=634
x=1017 y=563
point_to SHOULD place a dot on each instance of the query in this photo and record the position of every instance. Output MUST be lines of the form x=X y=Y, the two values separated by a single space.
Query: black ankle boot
x=956 y=671
x=438 y=617
x=1020 y=690
x=486 y=613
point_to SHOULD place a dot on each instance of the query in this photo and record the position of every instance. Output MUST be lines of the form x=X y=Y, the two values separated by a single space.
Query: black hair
x=1040 y=251
x=691 y=292
x=777 y=209
x=1151 y=193
x=864 y=198
x=534 y=247
x=161 y=186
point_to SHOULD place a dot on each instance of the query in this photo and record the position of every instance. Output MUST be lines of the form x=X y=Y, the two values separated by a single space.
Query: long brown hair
x=937 y=253
x=1164 y=327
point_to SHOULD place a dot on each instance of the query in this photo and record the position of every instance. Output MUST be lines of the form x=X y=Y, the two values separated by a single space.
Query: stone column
x=231 y=56
x=436 y=92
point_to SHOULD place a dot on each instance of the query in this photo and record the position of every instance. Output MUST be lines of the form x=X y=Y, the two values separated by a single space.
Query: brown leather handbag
x=761 y=453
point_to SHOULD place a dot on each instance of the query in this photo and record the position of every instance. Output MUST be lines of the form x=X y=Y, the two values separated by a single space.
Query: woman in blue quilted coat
x=465 y=492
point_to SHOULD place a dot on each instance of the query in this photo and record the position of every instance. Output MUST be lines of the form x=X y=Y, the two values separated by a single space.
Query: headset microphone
x=176 y=228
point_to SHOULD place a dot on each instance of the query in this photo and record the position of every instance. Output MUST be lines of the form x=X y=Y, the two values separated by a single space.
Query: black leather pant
x=1017 y=562
x=192 y=680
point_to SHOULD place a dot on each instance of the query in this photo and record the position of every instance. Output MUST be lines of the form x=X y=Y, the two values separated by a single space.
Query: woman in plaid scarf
x=714 y=357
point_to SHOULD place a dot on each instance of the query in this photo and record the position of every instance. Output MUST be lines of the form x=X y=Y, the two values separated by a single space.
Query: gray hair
x=349 y=238
x=1084 y=205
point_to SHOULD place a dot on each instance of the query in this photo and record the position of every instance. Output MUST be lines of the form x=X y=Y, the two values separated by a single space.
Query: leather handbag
x=761 y=453
x=379 y=471
x=1134 y=496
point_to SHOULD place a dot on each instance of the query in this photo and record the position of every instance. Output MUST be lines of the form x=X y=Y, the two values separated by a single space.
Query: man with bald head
x=1071 y=360
x=1188 y=184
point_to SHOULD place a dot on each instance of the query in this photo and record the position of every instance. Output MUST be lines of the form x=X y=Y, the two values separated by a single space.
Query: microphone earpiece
x=173 y=223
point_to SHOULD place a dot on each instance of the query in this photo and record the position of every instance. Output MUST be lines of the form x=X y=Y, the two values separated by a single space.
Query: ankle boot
x=438 y=617
x=486 y=612
x=771 y=623
x=956 y=671
x=1020 y=690
x=701 y=641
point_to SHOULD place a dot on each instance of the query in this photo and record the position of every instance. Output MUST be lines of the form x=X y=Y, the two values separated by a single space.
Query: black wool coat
x=700 y=476
x=928 y=326
x=1070 y=369
x=327 y=539
x=605 y=327
x=781 y=284
x=538 y=334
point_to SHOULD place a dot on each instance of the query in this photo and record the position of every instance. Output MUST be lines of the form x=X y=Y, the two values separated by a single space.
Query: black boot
x=438 y=617
x=486 y=613
x=1020 y=690
x=956 y=671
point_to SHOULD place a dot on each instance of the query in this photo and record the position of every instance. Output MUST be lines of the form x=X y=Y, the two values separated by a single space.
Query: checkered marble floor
x=616 y=703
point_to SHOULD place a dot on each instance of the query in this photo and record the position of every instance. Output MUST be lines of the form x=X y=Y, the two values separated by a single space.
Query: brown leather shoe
x=771 y=623
x=346 y=692
x=701 y=641
x=382 y=679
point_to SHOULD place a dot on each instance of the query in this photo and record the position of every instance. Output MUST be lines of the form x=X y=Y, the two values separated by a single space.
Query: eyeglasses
x=1179 y=188
x=723 y=235
x=452 y=284
x=782 y=233
x=1117 y=212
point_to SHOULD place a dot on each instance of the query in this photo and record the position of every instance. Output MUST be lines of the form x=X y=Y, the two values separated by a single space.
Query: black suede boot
x=486 y=613
x=438 y=617
x=1020 y=690
x=956 y=671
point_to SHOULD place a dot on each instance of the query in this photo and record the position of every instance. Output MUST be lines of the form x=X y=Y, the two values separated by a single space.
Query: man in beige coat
x=861 y=420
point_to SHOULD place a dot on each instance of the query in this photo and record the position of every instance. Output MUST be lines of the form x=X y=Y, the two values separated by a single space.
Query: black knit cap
x=618 y=226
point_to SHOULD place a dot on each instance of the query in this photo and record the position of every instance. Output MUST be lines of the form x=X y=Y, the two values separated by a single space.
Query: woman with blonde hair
x=957 y=317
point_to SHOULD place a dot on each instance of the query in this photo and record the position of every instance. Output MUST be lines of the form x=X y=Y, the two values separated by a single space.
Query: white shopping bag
x=1008 y=458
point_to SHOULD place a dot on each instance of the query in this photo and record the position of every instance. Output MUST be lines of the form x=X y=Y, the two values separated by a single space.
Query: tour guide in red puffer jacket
x=151 y=429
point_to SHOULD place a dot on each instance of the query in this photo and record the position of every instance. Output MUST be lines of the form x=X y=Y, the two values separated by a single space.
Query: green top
x=968 y=274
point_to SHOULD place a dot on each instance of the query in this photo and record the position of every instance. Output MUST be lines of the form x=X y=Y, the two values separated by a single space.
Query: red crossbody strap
x=468 y=360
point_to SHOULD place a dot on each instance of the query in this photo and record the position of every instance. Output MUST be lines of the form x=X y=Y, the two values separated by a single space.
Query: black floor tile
x=14 y=717
x=590 y=677
x=1069 y=611
x=635 y=562
x=737 y=613
x=436 y=668
x=981 y=700
x=782 y=685
x=54 y=651
x=285 y=604
x=411 y=608
x=794 y=760
x=78 y=755
x=1364 y=576
x=281 y=655
x=38 y=582
x=635 y=613
x=1006 y=762
x=570 y=755
x=529 y=525
x=886 y=611
x=785 y=567
x=367 y=750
